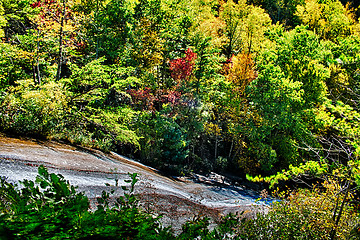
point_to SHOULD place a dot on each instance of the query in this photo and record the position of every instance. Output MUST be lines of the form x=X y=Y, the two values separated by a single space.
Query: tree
x=147 y=44
x=280 y=11
x=109 y=30
x=182 y=68
x=286 y=95
x=100 y=105
x=232 y=14
x=16 y=52
x=245 y=27
x=56 y=32
x=2 y=20
x=329 y=19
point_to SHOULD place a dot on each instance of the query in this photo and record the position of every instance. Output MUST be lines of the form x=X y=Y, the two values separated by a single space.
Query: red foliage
x=51 y=9
x=150 y=100
x=168 y=96
x=42 y=3
x=36 y=4
x=181 y=68
x=142 y=97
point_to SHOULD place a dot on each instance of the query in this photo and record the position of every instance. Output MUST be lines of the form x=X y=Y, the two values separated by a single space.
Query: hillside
x=266 y=90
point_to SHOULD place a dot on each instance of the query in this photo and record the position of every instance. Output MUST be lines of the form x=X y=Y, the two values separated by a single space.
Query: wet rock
x=178 y=200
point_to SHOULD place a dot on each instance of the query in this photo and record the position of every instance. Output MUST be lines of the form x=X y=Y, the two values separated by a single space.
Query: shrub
x=50 y=208
x=32 y=109
x=164 y=142
x=304 y=214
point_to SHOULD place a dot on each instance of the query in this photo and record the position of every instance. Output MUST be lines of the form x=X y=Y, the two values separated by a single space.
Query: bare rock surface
x=178 y=200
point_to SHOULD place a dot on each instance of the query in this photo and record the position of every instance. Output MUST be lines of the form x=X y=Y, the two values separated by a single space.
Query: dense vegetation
x=264 y=88
x=185 y=85
x=51 y=208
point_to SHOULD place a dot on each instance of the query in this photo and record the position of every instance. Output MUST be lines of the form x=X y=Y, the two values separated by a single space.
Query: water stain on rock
x=177 y=200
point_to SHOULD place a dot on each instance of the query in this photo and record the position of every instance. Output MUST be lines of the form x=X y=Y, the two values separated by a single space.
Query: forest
x=266 y=90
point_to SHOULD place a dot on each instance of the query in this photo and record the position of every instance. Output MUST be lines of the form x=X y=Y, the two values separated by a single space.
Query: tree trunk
x=61 y=33
x=216 y=144
x=333 y=231
x=37 y=77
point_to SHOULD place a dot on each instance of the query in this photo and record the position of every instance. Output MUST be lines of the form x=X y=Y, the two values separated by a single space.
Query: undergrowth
x=51 y=208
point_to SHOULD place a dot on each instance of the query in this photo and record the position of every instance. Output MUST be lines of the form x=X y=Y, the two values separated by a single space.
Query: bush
x=30 y=109
x=304 y=214
x=50 y=208
x=163 y=142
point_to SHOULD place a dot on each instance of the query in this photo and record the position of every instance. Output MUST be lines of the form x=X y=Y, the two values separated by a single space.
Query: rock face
x=178 y=200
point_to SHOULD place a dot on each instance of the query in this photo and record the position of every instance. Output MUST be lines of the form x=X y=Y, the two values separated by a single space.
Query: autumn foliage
x=147 y=99
x=182 y=68
x=240 y=70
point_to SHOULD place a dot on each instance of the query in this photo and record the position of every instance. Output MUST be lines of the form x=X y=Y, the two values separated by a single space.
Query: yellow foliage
x=214 y=28
x=310 y=14
x=245 y=26
x=255 y=24
x=149 y=48
x=329 y=20
x=2 y=20
x=315 y=209
x=50 y=97
x=212 y=128
x=242 y=71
